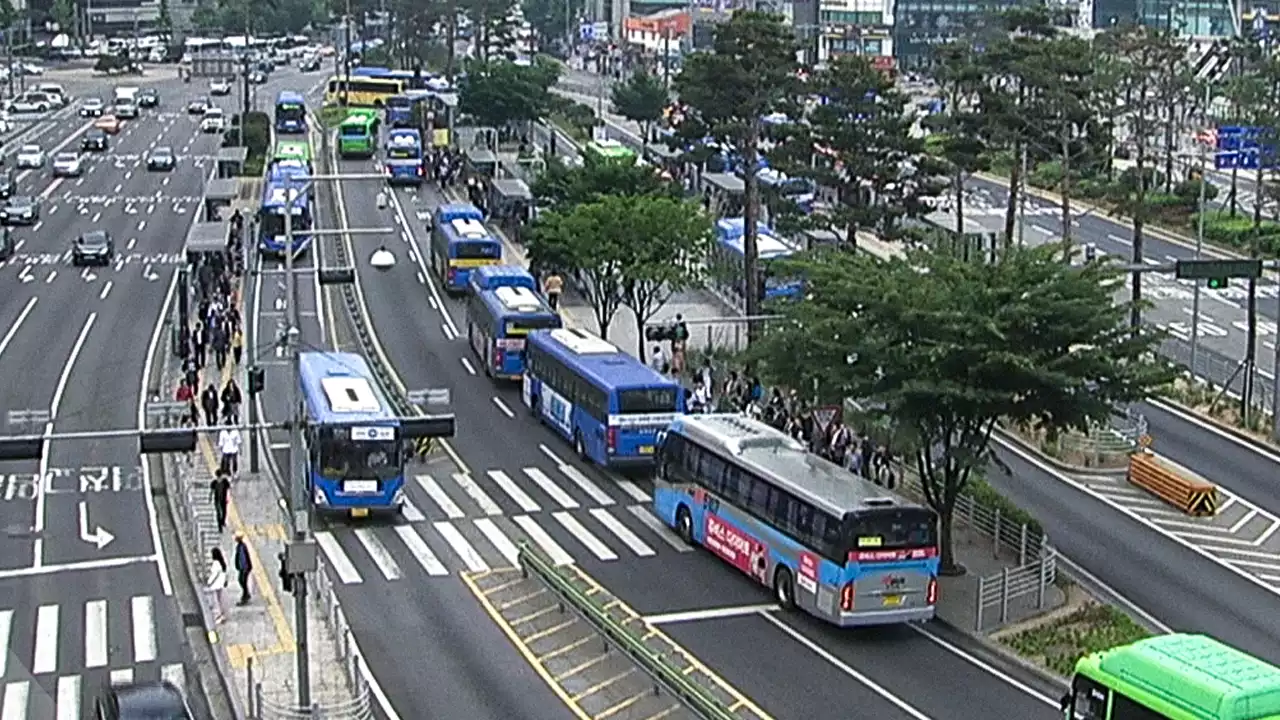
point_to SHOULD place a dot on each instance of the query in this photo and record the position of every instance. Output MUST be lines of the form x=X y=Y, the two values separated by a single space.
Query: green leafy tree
x=641 y=99
x=727 y=93
x=501 y=93
x=552 y=20
x=491 y=23
x=64 y=13
x=164 y=21
x=961 y=130
x=562 y=188
x=1028 y=341
x=871 y=161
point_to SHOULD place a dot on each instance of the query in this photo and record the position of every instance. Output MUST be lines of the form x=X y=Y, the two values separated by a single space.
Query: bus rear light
x=390 y=172
x=931 y=596
x=846 y=596
x=452 y=275
x=497 y=358
x=611 y=438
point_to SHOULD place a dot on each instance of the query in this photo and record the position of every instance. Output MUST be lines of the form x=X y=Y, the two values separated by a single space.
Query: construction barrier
x=1177 y=486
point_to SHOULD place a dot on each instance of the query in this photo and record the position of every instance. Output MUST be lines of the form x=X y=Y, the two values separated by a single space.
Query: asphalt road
x=508 y=478
x=84 y=589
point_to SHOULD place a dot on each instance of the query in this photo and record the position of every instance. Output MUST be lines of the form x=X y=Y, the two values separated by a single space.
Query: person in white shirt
x=701 y=399
x=217 y=583
x=658 y=361
x=229 y=445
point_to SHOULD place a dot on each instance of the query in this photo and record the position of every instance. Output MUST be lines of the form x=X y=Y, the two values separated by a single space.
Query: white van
x=54 y=91
x=126 y=95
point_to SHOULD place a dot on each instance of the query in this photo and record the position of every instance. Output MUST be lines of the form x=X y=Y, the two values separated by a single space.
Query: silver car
x=67 y=164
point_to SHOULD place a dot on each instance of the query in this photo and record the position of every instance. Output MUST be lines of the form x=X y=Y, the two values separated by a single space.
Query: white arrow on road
x=27 y=278
x=99 y=536
x=90 y=277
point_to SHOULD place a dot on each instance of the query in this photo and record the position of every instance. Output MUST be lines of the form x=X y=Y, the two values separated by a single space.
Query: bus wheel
x=784 y=589
x=579 y=446
x=684 y=525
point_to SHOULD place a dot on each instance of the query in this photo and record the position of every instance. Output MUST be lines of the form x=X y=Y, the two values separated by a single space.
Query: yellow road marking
x=524 y=650
x=503 y=586
x=604 y=684
x=664 y=713
x=610 y=712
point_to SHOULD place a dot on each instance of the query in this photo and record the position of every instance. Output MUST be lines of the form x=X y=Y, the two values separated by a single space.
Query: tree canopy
x=632 y=251
x=562 y=187
x=949 y=348
x=642 y=98
x=499 y=92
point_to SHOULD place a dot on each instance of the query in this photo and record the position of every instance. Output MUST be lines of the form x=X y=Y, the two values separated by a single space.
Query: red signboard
x=735 y=547
x=807 y=577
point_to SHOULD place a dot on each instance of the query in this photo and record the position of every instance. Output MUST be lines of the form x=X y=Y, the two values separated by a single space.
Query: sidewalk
x=255 y=647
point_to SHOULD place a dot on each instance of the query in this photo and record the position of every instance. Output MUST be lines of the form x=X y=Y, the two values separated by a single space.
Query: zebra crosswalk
x=58 y=656
x=442 y=548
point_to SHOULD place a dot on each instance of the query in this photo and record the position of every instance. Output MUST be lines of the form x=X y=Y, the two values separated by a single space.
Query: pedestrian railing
x=999 y=591
x=1005 y=534
x=1221 y=371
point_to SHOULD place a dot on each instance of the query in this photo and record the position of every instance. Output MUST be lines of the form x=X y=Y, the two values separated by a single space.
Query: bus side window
x=732 y=485
x=711 y=468
x=781 y=509
x=1122 y=708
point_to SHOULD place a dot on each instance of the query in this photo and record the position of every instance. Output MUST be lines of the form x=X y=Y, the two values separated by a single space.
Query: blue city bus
x=823 y=539
x=728 y=259
x=459 y=246
x=355 y=460
x=277 y=193
x=488 y=277
x=499 y=321
x=400 y=109
x=608 y=404
x=448 y=212
x=291 y=112
x=404 y=157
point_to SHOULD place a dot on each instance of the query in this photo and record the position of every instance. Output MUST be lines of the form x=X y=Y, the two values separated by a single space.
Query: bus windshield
x=479 y=249
x=646 y=400
x=342 y=458
x=893 y=529
x=290 y=112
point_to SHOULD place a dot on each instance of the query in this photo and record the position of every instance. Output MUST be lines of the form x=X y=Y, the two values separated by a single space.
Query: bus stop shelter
x=481 y=163
x=722 y=194
x=231 y=161
x=509 y=204
x=219 y=193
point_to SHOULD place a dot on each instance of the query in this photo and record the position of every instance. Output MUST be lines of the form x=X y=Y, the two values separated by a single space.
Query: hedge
x=1223 y=229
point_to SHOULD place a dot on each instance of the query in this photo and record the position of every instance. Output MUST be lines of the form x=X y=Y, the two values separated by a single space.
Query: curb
x=1057 y=464
x=1175 y=407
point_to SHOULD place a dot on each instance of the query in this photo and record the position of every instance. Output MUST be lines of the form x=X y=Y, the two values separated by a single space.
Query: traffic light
x=257 y=380
x=1218 y=283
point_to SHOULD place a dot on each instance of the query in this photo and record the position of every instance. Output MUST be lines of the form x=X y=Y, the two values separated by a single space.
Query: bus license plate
x=359 y=512
x=892 y=600
x=646 y=449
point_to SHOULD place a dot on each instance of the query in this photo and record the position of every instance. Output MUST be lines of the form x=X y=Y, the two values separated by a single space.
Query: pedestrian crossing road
x=58 y=656
x=457 y=522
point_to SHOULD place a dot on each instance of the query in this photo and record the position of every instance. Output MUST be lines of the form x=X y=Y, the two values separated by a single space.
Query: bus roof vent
x=469 y=228
x=880 y=502
x=518 y=299
x=741 y=433
x=581 y=342
x=350 y=395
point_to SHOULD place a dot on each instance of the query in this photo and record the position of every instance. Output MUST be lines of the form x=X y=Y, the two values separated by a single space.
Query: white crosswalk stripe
x=418 y=548
x=599 y=496
x=543 y=540
x=649 y=520
x=584 y=536
x=123 y=676
x=95 y=634
x=68 y=704
x=73 y=692
x=46 y=655
x=337 y=558
x=381 y=556
x=144 y=629
x=16 y=695
x=6 y=628
x=494 y=535
x=562 y=498
x=462 y=547
x=440 y=497
x=476 y=493
x=412 y=513
x=622 y=532
x=508 y=486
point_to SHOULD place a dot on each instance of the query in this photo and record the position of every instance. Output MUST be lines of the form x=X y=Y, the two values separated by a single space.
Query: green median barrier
x=658 y=667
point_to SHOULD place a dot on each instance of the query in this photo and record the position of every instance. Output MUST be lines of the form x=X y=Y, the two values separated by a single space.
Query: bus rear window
x=398 y=102
x=353 y=131
x=524 y=326
x=477 y=250
x=647 y=400
x=402 y=153
x=894 y=529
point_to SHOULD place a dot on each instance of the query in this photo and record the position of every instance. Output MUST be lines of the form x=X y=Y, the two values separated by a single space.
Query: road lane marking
x=95 y=634
x=462 y=547
x=387 y=565
x=144 y=629
x=162 y=565
x=634 y=491
x=106 y=290
x=68 y=704
x=539 y=536
x=499 y=540
x=6 y=629
x=176 y=674
x=440 y=497
x=15 y=701
x=476 y=493
x=411 y=512
x=504 y=481
x=123 y=676
x=420 y=552
x=622 y=532
x=584 y=536
x=584 y=483
x=562 y=498
x=720 y=613
x=342 y=564
x=651 y=521
x=46 y=652
x=17 y=323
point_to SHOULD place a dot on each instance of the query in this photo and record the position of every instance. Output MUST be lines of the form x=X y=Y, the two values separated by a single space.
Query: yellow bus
x=362 y=91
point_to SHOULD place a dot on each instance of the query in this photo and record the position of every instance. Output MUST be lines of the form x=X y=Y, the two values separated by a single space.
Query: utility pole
x=1022 y=199
x=244 y=87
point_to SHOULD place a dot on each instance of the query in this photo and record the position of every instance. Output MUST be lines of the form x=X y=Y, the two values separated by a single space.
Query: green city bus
x=358 y=133
x=608 y=151
x=293 y=150
x=1181 y=677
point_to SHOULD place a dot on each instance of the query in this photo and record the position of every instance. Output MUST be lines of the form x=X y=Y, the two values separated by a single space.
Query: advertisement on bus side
x=807 y=573
x=735 y=547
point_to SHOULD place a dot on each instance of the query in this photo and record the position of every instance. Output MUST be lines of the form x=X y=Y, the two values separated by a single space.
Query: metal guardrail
x=1220 y=371
x=1005 y=534
x=357 y=707
x=1012 y=583
x=668 y=676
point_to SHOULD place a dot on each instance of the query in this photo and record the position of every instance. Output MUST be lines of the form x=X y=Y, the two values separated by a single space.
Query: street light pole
x=1195 y=297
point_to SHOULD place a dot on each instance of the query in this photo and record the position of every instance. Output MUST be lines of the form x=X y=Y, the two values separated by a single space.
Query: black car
x=20 y=210
x=198 y=106
x=141 y=701
x=94 y=139
x=161 y=158
x=6 y=184
x=93 y=248
x=148 y=98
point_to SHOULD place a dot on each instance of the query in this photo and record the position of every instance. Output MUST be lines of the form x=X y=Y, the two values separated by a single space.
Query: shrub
x=1047 y=175
x=1092 y=188
x=1236 y=232
x=257 y=133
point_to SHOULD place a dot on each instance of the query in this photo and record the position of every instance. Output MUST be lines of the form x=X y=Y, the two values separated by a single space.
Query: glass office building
x=1194 y=18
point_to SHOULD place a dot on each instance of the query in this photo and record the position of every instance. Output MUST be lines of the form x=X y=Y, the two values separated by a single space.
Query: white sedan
x=30 y=156
x=213 y=121
x=67 y=164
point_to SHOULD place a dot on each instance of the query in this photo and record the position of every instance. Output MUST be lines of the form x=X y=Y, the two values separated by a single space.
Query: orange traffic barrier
x=1177 y=486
